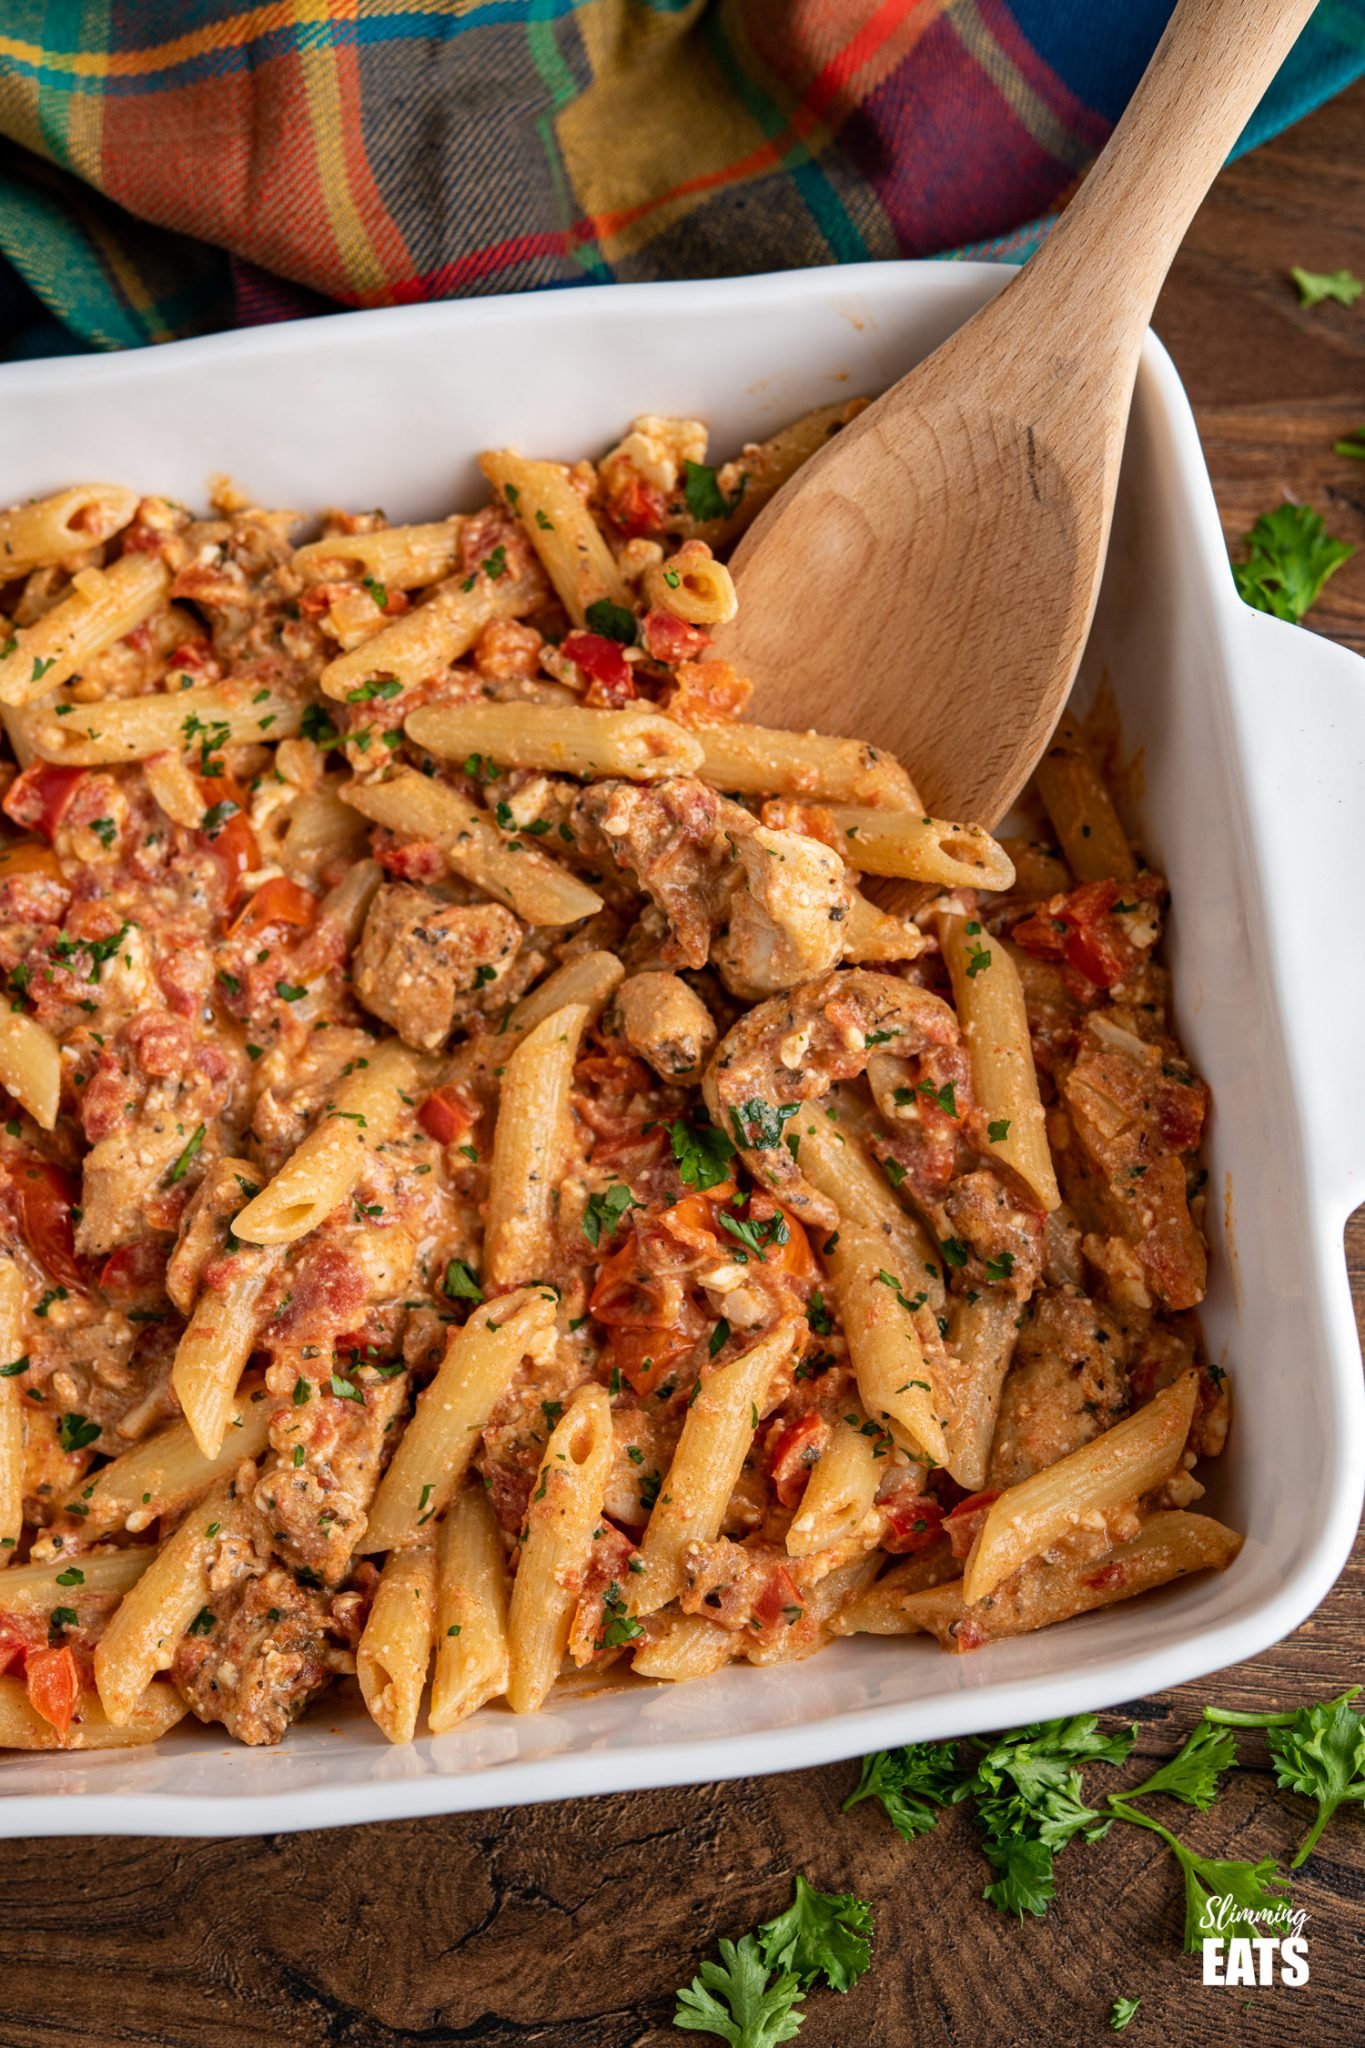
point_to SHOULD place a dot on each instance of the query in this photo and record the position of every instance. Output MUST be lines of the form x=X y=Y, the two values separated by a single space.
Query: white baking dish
x=1252 y=737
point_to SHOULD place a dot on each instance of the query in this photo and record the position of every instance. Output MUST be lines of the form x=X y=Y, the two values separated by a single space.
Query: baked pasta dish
x=510 y=1168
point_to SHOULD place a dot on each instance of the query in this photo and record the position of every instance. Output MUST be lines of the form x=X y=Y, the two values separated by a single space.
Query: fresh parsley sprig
x=1318 y=1752
x=1290 y=555
x=752 y=1997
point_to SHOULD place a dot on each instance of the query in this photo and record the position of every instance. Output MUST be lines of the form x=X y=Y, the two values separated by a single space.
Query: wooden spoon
x=927 y=581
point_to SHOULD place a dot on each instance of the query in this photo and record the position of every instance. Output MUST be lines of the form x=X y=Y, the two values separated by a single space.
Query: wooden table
x=569 y=1926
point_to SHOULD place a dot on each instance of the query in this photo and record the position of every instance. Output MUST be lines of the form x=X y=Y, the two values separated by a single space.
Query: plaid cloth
x=172 y=166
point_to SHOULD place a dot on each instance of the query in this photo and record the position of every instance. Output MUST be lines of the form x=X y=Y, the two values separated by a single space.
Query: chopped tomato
x=795 y=1453
x=1081 y=929
x=447 y=1117
x=41 y=796
x=963 y=1525
x=134 y=1269
x=54 y=1686
x=1108 y=1578
x=708 y=693
x=914 y=1522
x=278 y=901
x=605 y=661
x=16 y=1641
x=672 y=640
x=636 y=506
x=43 y=1196
x=27 y=857
x=778 y=1599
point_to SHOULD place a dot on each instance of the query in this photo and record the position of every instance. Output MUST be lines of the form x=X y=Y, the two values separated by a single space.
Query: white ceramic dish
x=1253 y=741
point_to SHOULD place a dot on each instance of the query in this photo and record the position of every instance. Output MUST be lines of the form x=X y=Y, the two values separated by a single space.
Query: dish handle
x=1303 y=701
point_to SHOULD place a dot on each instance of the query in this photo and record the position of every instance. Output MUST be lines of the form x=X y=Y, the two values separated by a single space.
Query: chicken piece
x=258 y=1653
x=424 y=967
x=788 y=911
x=1134 y=1114
x=1002 y=1235
x=666 y=1024
x=316 y=1509
x=671 y=838
x=1068 y=1383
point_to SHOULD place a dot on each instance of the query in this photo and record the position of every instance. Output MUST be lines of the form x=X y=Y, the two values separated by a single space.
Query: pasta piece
x=1121 y=1465
x=835 y=1161
x=531 y=1145
x=12 y=1361
x=682 y=1646
x=221 y=1334
x=30 y=1066
x=103 y=606
x=35 y=1588
x=395 y=1649
x=396 y=557
x=169 y=779
x=165 y=1473
x=561 y=529
x=873 y=936
x=570 y=739
x=692 y=586
x=989 y=999
x=507 y=867
x=426 y=640
x=153 y=1714
x=879 y=1609
x=130 y=728
x=894 y=1378
x=748 y=483
x=320 y=1173
x=589 y=978
x=318 y=833
x=839 y=1493
x=758 y=760
x=347 y=906
x=716 y=1435
x=565 y=1508
x=982 y=1335
x=146 y=1627
x=472 y=1654
x=821 y=1606
x=1168 y=1546
x=68 y=523
x=921 y=849
x=434 y=1450
x=1081 y=809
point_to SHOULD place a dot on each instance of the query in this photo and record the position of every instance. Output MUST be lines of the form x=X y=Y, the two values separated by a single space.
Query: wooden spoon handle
x=1105 y=261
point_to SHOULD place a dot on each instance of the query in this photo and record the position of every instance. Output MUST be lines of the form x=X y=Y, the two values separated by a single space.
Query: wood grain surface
x=569 y=1926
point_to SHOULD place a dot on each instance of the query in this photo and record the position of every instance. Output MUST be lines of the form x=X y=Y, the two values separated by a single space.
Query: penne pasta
x=717 y=1432
x=920 y=849
x=1081 y=809
x=164 y=1474
x=559 y=526
x=1121 y=1465
x=68 y=523
x=320 y=1174
x=531 y=1144
x=589 y=979
x=433 y=1454
x=103 y=606
x=396 y=557
x=153 y=1714
x=472 y=1653
x=221 y=1333
x=989 y=999
x=37 y=1588
x=510 y=869
x=30 y=1066
x=895 y=1380
x=426 y=640
x=759 y=472
x=132 y=728
x=981 y=1333
x=872 y=936
x=683 y=1646
x=840 y=1491
x=145 y=1630
x=565 y=1508
x=837 y=1163
x=692 y=586
x=757 y=760
x=879 y=1609
x=392 y=1660
x=566 y=738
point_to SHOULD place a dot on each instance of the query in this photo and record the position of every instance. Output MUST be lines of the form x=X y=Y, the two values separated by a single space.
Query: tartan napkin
x=173 y=166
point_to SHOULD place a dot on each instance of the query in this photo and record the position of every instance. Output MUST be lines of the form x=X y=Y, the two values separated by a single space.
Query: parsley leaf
x=1318 y=1752
x=1256 y=1887
x=1192 y=1774
x=735 y=2000
x=612 y=621
x=912 y=1782
x=1317 y=285
x=755 y=1236
x=703 y=1153
x=182 y=1164
x=821 y=1934
x=759 y=1125
x=1122 y=2012
x=705 y=498
x=1025 y=1881
x=1352 y=445
x=74 y=1432
x=461 y=1282
x=1289 y=558
x=604 y=1212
